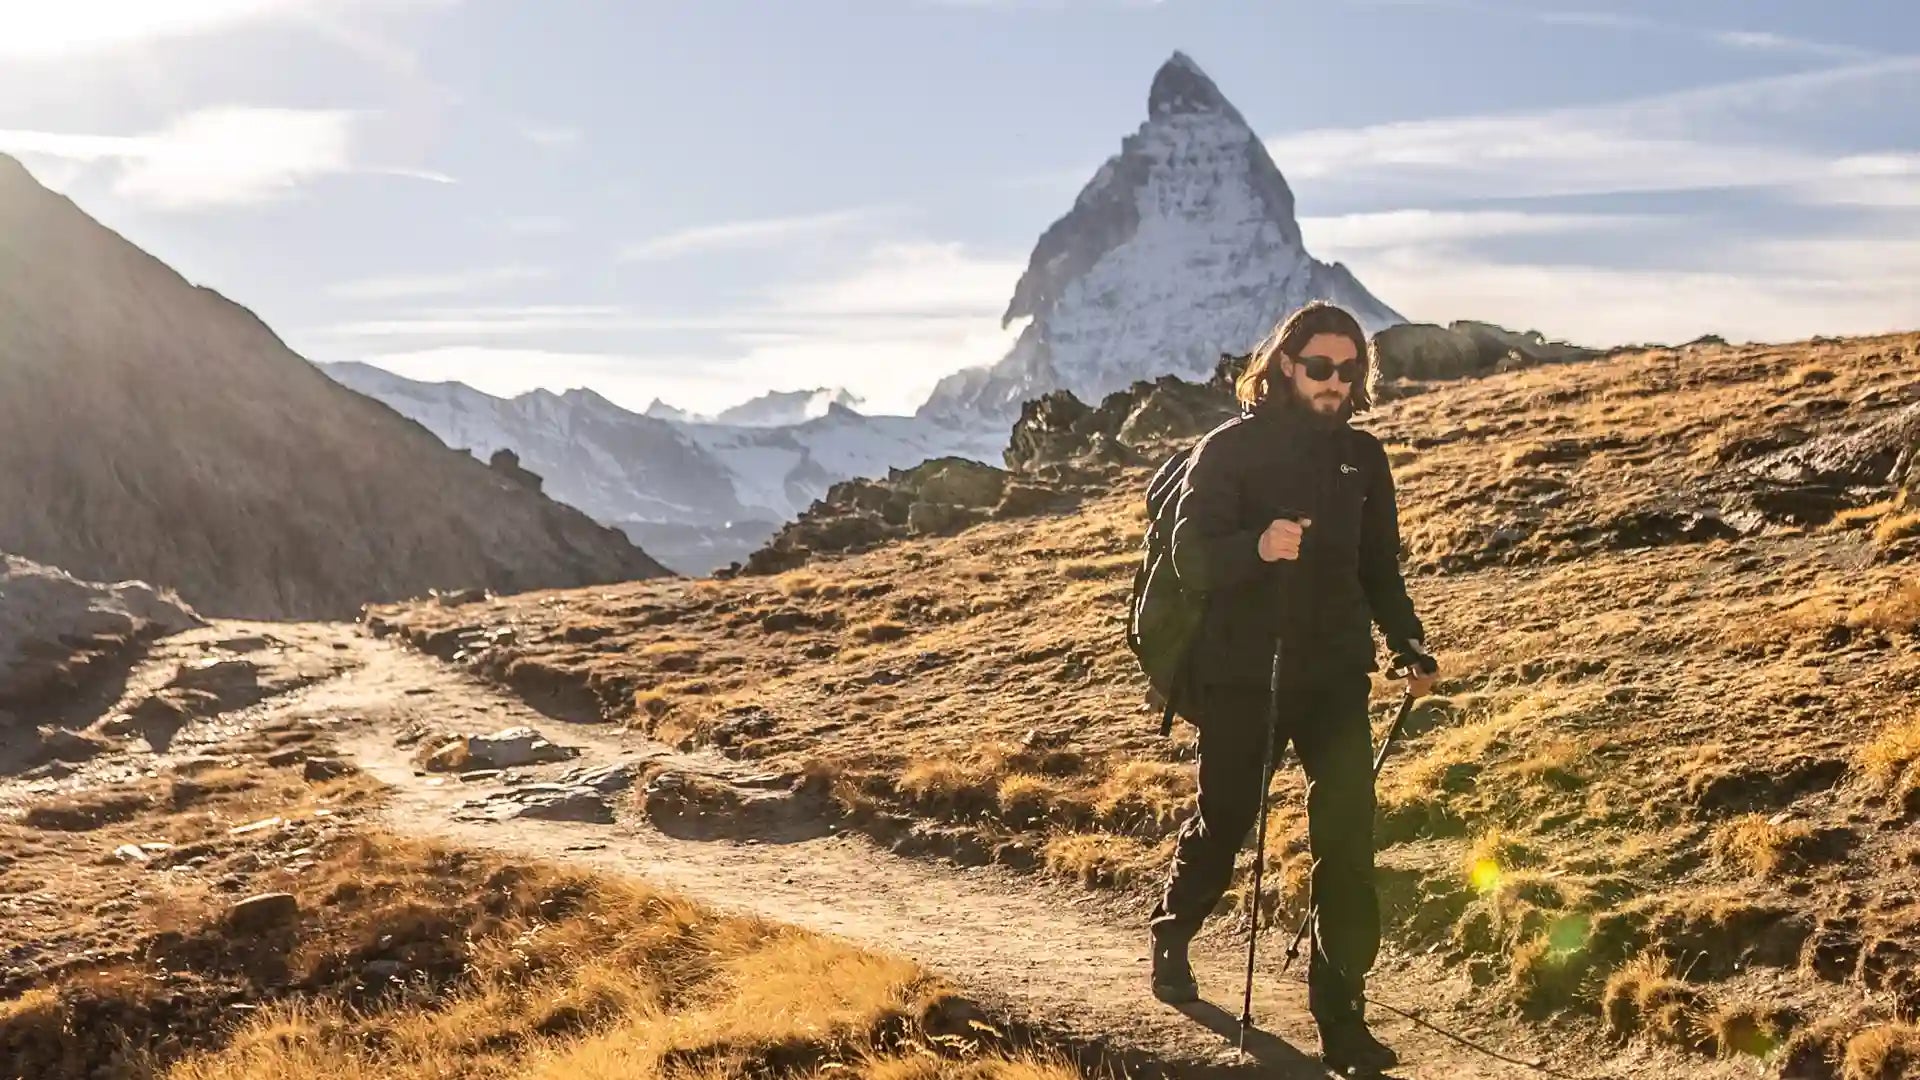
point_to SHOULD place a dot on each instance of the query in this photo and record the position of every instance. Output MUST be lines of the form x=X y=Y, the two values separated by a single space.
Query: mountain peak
x=1181 y=87
x=1181 y=247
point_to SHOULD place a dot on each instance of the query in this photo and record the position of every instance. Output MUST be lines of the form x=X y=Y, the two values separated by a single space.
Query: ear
x=1286 y=363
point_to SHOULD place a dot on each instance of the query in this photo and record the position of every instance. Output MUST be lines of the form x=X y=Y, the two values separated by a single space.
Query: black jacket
x=1282 y=462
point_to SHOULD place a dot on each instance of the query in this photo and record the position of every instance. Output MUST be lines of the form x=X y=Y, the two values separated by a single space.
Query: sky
x=703 y=201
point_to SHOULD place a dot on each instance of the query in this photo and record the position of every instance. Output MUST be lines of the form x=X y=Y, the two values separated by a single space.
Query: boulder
x=957 y=481
x=1464 y=349
x=511 y=748
x=55 y=627
x=263 y=912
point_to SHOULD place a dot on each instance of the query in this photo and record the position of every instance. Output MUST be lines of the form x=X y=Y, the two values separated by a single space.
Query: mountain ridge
x=160 y=431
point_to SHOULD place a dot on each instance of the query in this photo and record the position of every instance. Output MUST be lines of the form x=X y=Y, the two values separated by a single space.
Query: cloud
x=62 y=28
x=403 y=287
x=1392 y=228
x=910 y=279
x=626 y=379
x=749 y=234
x=1647 y=144
x=220 y=156
x=1772 y=291
x=211 y=157
x=537 y=225
x=553 y=138
x=1749 y=40
x=906 y=314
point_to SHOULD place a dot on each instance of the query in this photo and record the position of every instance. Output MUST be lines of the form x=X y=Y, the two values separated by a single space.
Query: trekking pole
x=1260 y=842
x=1379 y=759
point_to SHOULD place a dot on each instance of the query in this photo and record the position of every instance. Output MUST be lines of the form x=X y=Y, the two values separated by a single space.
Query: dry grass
x=1757 y=845
x=506 y=970
x=1098 y=860
x=1896 y=612
x=1746 y=1030
x=1886 y=1052
x=1643 y=997
x=1896 y=527
x=1888 y=760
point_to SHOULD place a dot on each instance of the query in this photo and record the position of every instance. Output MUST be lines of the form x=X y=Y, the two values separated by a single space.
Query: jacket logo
x=1346 y=468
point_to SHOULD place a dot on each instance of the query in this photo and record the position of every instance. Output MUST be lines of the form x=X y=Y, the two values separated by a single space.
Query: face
x=1323 y=354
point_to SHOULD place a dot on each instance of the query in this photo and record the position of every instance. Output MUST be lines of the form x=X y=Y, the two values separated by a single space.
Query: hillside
x=1661 y=801
x=158 y=431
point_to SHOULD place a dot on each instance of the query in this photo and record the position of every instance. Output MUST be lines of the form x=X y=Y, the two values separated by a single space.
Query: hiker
x=1286 y=521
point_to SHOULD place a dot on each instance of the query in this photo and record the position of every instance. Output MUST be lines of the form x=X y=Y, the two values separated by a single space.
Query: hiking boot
x=1173 y=981
x=1347 y=1047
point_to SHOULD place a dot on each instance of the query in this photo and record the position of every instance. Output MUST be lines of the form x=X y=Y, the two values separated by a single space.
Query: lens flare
x=1567 y=936
x=1485 y=875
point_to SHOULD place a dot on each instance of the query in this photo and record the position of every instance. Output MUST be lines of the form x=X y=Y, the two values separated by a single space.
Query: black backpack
x=1163 y=615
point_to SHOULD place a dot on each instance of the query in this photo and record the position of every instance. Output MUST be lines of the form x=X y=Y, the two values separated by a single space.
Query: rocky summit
x=1184 y=245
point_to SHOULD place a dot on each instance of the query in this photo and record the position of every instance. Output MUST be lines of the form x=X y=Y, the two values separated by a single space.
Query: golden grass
x=1755 y=845
x=1886 y=1052
x=1888 y=760
x=1643 y=997
x=620 y=983
x=669 y=647
x=1746 y=1030
x=1896 y=527
x=1101 y=860
x=880 y=631
x=1898 y=611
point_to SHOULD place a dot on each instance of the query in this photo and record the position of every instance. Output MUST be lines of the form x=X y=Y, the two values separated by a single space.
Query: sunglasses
x=1320 y=369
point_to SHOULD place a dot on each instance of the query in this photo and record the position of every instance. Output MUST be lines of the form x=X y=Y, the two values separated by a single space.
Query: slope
x=155 y=430
x=1664 y=795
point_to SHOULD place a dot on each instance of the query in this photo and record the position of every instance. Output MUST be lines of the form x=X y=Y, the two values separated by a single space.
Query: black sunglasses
x=1320 y=369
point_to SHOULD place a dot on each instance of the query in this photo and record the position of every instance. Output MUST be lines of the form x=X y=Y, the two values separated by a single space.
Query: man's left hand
x=1420 y=685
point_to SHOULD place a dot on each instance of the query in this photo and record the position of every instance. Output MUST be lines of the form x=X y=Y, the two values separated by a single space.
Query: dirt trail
x=1043 y=954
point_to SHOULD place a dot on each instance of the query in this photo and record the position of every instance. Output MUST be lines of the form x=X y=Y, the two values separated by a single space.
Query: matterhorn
x=1183 y=246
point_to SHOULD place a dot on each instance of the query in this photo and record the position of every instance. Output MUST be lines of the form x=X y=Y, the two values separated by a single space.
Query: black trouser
x=1324 y=716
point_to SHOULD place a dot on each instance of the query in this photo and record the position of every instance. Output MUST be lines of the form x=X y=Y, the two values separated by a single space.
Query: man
x=1286 y=520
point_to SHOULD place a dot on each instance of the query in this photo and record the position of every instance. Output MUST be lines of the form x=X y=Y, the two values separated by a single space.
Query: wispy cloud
x=1640 y=145
x=553 y=138
x=750 y=234
x=1750 y=40
x=910 y=279
x=71 y=27
x=1767 y=291
x=407 y=287
x=219 y=156
x=902 y=315
x=1392 y=228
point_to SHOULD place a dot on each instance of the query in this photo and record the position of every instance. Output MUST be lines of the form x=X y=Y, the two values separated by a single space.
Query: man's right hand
x=1281 y=540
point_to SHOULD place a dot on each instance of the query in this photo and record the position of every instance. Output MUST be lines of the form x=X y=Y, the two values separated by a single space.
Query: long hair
x=1292 y=335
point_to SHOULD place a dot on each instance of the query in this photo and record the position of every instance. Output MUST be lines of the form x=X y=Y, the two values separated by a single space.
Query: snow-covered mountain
x=704 y=494
x=1183 y=246
x=780 y=408
x=776 y=408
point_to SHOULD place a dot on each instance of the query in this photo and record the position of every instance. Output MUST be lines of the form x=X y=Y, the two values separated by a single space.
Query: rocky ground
x=1662 y=798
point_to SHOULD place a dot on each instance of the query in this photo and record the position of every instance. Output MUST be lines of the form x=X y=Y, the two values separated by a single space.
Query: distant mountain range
x=698 y=495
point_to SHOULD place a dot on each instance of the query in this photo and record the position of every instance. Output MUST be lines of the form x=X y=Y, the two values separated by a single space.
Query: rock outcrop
x=55 y=627
x=157 y=431
x=938 y=498
x=1464 y=349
